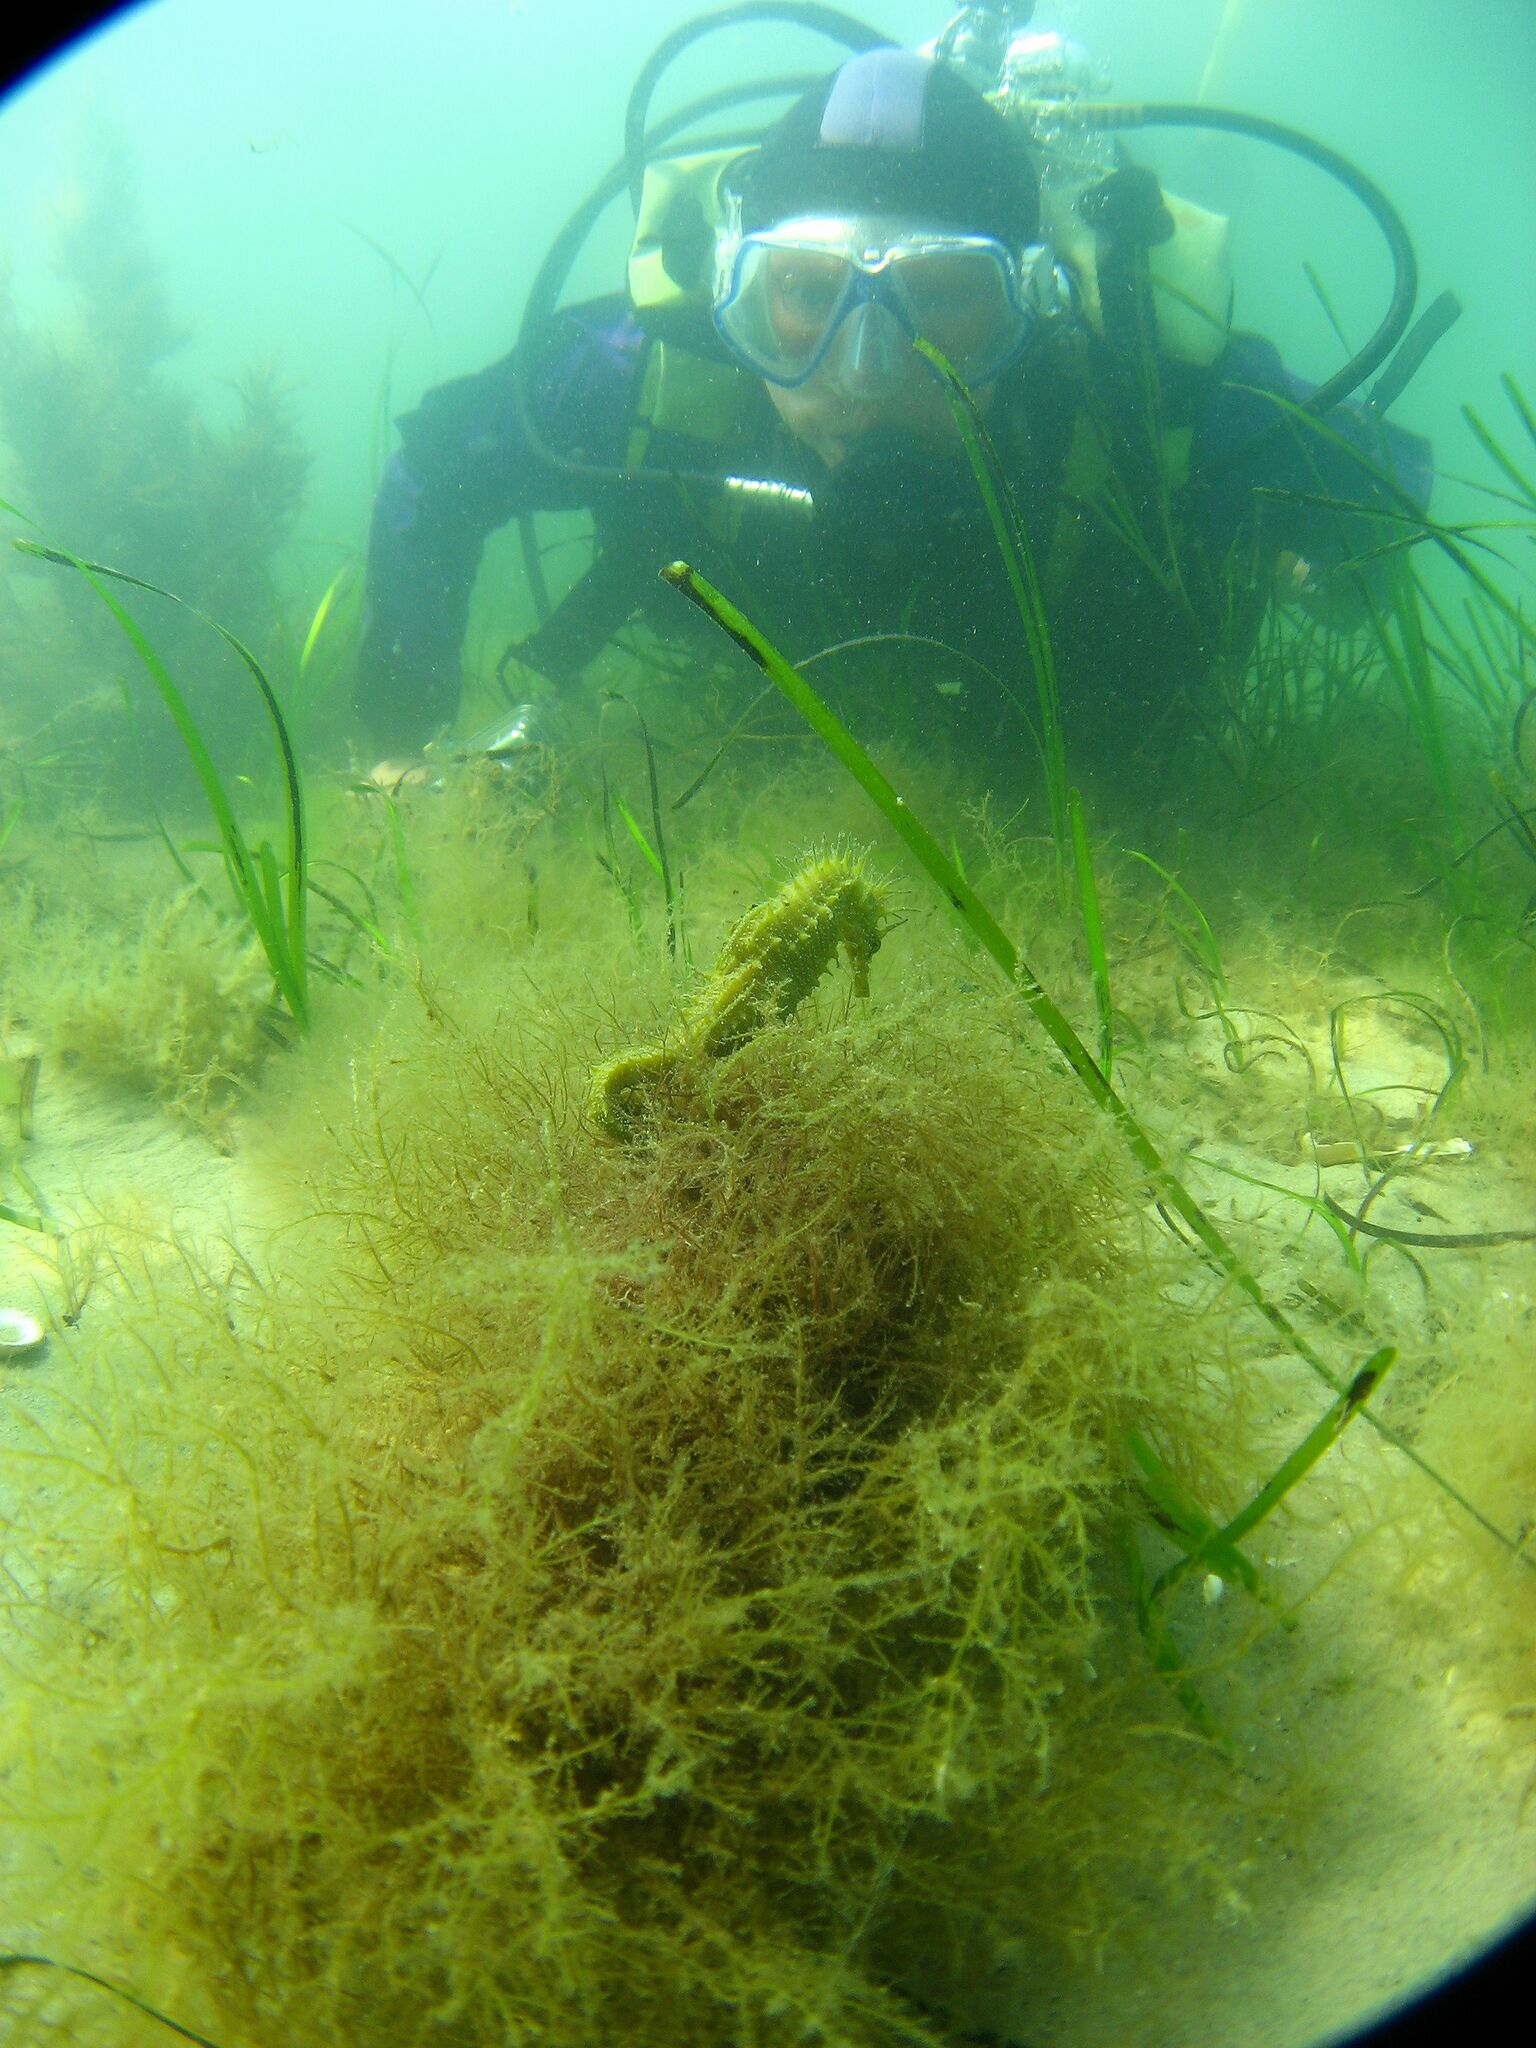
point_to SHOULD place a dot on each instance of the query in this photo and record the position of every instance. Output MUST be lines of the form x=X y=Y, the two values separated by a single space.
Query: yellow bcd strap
x=671 y=255
x=1190 y=275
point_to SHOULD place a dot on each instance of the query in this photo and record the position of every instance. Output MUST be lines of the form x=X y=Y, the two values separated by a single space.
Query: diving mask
x=786 y=296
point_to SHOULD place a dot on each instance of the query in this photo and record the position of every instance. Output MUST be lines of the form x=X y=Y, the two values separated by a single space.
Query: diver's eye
x=955 y=293
x=806 y=288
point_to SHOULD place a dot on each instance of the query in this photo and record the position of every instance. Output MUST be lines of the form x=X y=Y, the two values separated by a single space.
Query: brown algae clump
x=771 y=962
x=596 y=1593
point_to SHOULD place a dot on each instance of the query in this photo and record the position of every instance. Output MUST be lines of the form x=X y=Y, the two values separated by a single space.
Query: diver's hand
x=1294 y=579
x=399 y=772
x=1333 y=601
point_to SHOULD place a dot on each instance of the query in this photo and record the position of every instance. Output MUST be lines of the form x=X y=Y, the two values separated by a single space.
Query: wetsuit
x=1149 y=581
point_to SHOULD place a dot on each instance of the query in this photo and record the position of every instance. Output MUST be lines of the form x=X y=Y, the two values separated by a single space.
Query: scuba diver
x=755 y=404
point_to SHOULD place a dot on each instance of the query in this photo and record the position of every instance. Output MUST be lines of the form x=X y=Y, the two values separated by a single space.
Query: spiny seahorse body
x=772 y=960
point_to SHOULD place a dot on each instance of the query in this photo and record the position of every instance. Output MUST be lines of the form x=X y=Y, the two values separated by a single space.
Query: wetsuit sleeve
x=464 y=467
x=1265 y=472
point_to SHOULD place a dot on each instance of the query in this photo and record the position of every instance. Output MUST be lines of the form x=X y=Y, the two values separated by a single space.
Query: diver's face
x=872 y=379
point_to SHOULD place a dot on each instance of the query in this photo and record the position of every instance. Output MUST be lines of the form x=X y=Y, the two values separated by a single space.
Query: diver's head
x=891 y=202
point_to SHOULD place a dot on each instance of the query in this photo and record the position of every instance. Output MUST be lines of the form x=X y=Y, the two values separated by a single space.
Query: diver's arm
x=466 y=466
x=423 y=555
x=1338 y=571
x=1335 y=600
x=1328 y=492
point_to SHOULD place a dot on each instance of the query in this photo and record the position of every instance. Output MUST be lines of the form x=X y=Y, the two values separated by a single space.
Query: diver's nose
x=870 y=354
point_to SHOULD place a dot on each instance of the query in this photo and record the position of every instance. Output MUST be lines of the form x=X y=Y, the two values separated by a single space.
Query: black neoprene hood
x=893 y=132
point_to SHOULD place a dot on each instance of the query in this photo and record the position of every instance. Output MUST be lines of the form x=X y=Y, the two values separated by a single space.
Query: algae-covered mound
x=148 y=994
x=583 y=1592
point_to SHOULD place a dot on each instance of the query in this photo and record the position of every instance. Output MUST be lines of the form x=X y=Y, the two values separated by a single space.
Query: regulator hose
x=549 y=281
x=830 y=22
x=1405 y=268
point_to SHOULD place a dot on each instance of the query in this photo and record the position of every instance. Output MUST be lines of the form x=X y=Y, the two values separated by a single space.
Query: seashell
x=1423 y=1152
x=20 y=1334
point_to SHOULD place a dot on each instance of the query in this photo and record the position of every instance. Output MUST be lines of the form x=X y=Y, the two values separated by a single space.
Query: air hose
x=1405 y=284
x=830 y=22
x=549 y=281
x=640 y=147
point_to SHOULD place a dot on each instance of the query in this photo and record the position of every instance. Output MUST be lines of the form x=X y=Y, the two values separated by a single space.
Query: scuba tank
x=1096 y=208
x=1036 y=77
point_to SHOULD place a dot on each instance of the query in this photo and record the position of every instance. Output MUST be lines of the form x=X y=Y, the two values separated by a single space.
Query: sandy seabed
x=1384 y=1823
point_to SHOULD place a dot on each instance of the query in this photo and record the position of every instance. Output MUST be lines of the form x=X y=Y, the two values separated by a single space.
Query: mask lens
x=805 y=289
x=959 y=300
x=781 y=306
x=788 y=293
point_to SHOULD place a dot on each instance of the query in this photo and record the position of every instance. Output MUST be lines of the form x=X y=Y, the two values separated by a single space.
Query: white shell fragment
x=20 y=1334
x=1426 y=1152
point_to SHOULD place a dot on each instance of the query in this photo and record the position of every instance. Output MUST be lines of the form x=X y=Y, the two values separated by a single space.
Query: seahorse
x=773 y=958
